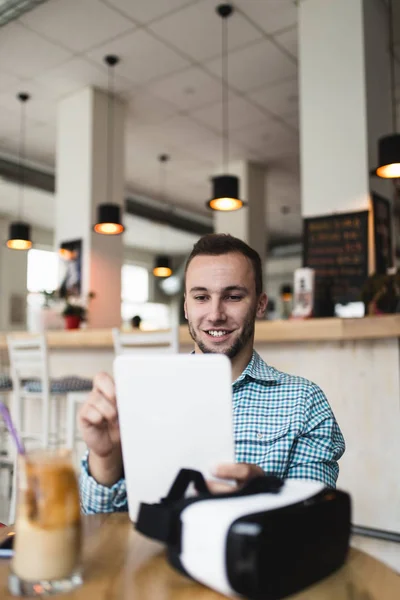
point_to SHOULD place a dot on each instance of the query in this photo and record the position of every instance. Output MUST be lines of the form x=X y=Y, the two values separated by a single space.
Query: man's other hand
x=241 y=473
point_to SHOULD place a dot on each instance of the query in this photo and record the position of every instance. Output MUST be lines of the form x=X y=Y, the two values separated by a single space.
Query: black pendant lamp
x=225 y=188
x=19 y=233
x=109 y=221
x=162 y=264
x=389 y=146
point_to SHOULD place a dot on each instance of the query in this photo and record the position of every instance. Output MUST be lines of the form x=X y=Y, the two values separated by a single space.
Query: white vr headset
x=268 y=540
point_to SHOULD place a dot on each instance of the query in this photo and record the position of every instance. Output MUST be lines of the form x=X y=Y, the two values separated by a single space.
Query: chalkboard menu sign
x=382 y=233
x=336 y=247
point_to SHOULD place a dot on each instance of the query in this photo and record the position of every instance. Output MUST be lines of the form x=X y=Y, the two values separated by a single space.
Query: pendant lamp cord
x=110 y=134
x=22 y=147
x=163 y=159
x=225 y=93
x=392 y=65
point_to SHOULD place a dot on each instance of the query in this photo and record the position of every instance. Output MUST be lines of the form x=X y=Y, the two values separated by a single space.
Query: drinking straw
x=10 y=426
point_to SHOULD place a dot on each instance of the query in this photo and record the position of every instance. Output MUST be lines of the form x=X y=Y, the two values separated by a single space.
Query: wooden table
x=121 y=564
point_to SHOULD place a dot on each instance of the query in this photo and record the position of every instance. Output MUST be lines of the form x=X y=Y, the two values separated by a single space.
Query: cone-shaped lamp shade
x=162 y=267
x=109 y=220
x=225 y=193
x=19 y=236
x=388 y=157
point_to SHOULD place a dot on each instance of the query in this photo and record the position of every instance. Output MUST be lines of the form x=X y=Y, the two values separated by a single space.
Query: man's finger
x=216 y=487
x=104 y=406
x=90 y=415
x=240 y=471
x=104 y=384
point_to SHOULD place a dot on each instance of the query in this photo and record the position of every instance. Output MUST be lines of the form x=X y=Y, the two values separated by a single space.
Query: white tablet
x=175 y=411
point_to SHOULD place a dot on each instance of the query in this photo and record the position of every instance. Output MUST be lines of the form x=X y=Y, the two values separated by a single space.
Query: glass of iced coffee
x=47 y=546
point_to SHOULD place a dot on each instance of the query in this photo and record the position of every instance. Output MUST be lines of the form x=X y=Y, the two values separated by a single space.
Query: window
x=42 y=276
x=134 y=284
x=135 y=296
x=42 y=271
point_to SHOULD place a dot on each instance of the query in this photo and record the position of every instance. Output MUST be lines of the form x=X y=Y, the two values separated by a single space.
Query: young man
x=283 y=424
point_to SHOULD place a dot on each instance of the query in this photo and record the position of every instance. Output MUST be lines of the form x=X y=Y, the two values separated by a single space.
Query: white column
x=248 y=223
x=345 y=103
x=81 y=186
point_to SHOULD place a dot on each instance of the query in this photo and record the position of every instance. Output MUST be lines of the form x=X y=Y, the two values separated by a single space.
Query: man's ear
x=185 y=307
x=262 y=305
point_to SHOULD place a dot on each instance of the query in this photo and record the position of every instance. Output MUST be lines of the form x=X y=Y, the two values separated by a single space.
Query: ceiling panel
x=8 y=81
x=241 y=113
x=146 y=109
x=210 y=150
x=40 y=107
x=76 y=24
x=143 y=58
x=268 y=65
x=268 y=138
x=196 y=30
x=181 y=130
x=27 y=54
x=155 y=237
x=288 y=40
x=188 y=89
x=270 y=15
x=78 y=73
x=279 y=99
x=144 y=11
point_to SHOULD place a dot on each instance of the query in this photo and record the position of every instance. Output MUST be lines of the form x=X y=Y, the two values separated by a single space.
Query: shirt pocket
x=257 y=446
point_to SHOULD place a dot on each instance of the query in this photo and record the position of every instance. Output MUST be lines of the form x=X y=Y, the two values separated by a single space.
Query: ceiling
x=169 y=77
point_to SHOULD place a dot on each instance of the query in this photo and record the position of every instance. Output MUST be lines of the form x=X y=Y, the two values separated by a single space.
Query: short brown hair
x=216 y=244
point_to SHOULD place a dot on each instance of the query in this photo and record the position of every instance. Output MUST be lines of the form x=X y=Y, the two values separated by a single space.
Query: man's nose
x=217 y=312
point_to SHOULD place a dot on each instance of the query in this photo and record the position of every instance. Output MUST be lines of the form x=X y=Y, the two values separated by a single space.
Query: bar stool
x=31 y=381
x=6 y=458
x=156 y=342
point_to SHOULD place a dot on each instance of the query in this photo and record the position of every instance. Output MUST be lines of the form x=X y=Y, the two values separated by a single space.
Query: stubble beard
x=238 y=344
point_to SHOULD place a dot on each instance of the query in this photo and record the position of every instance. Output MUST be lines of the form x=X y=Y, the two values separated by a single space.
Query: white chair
x=29 y=367
x=72 y=404
x=29 y=370
x=156 y=342
x=29 y=360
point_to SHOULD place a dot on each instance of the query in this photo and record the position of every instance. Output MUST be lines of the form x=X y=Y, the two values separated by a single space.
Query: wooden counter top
x=121 y=564
x=318 y=330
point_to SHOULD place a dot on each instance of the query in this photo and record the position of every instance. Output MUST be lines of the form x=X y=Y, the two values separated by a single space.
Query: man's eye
x=200 y=298
x=235 y=298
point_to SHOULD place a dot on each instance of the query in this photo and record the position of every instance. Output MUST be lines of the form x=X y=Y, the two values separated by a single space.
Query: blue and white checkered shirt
x=282 y=423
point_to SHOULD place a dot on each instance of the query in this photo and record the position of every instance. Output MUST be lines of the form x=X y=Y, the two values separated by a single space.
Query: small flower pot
x=72 y=322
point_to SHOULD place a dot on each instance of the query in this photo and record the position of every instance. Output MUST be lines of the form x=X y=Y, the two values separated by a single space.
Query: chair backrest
x=28 y=360
x=157 y=342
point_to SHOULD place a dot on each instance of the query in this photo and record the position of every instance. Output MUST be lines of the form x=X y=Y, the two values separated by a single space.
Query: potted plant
x=73 y=315
x=381 y=294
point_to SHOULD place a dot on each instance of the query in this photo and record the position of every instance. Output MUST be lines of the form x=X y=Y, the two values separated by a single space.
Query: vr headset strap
x=158 y=521
x=155 y=520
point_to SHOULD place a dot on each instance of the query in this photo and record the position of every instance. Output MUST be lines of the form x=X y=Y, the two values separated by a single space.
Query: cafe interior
x=131 y=128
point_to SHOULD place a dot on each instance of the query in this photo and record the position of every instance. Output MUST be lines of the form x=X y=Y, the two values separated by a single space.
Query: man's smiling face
x=221 y=303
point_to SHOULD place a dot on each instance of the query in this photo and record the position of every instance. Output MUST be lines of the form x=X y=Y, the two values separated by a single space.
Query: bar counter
x=387 y=326
x=355 y=362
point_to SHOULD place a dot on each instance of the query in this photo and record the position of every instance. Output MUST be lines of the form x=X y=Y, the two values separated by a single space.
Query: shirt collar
x=258 y=370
